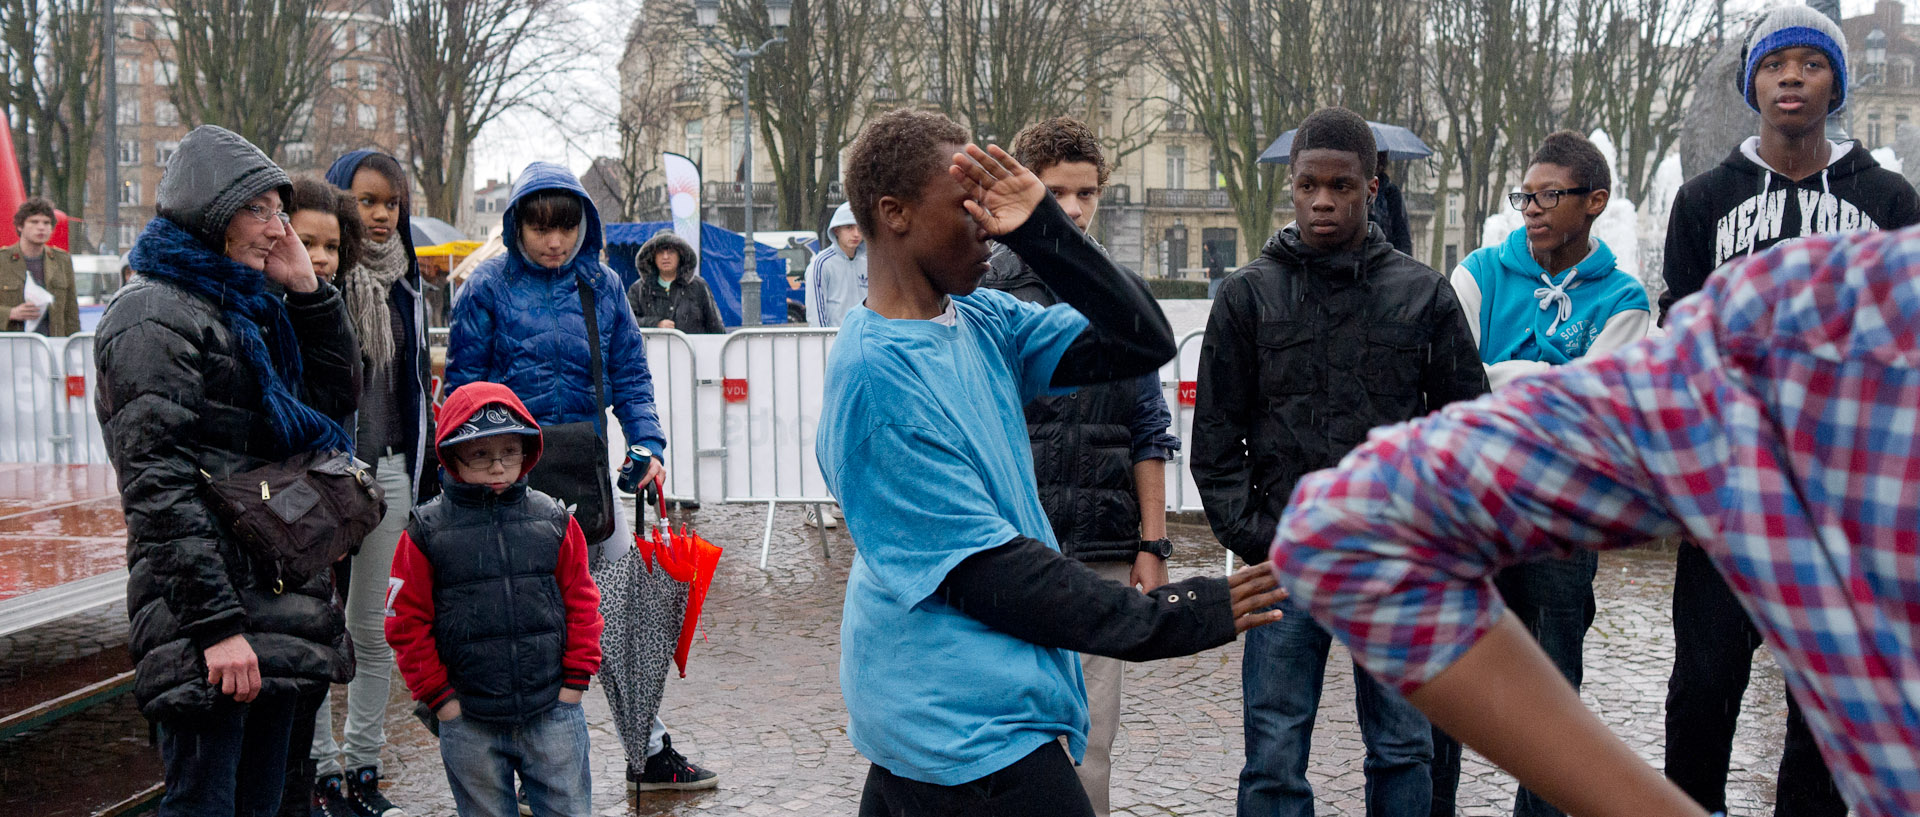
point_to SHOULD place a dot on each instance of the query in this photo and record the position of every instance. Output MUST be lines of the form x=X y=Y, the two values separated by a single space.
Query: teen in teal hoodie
x=1548 y=295
x=1528 y=316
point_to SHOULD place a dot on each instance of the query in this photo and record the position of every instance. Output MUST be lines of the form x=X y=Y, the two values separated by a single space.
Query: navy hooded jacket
x=519 y=324
x=411 y=345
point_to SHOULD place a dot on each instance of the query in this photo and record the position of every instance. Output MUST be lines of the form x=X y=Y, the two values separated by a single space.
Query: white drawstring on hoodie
x=1554 y=293
x=1751 y=148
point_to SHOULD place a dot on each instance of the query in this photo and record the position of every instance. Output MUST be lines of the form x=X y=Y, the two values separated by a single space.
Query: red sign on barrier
x=1189 y=392
x=76 y=386
x=734 y=390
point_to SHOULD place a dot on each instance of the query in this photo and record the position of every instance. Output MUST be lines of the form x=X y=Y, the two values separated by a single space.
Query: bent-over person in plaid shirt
x=1778 y=426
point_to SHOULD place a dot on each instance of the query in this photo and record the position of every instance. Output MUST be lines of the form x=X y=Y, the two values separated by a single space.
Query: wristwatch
x=1162 y=547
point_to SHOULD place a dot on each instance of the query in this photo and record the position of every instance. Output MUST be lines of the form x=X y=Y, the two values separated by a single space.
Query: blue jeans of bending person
x=548 y=751
x=1282 y=672
x=1553 y=599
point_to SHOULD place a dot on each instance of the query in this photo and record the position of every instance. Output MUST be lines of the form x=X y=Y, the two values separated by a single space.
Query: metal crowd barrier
x=772 y=381
x=753 y=406
x=31 y=427
x=87 y=443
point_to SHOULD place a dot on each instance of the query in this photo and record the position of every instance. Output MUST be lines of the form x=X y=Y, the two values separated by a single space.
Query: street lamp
x=707 y=15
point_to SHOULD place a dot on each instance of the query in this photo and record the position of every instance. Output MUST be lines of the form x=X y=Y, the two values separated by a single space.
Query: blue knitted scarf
x=169 y=253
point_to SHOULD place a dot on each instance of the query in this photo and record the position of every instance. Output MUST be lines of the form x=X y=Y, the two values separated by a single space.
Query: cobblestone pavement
x=761 y=704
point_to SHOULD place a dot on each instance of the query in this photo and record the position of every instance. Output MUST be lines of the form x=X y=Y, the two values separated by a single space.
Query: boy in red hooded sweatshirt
x=494 y=622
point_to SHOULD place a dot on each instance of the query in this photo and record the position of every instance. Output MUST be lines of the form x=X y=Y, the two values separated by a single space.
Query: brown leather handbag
x=298 y=516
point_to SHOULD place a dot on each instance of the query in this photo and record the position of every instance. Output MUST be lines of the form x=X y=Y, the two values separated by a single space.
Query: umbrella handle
x=660 y=523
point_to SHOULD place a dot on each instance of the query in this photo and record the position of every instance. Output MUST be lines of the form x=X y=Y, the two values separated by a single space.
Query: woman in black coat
x=205 y=367
x=670 y=293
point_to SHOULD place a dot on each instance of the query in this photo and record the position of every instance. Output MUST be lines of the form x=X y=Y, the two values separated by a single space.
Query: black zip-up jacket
x=176 y=397
x=1305 y=353
x=1082 y=445
x=685 y=300
x=1740 y=207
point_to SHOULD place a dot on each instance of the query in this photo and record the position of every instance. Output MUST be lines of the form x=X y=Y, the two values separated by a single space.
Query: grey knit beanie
x=1797 y=27
x=211 y=176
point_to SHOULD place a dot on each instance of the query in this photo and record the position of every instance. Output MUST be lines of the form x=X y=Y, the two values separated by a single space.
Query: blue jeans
x=1553 y=599
x=549 y=751
x=1282 y=673
x=232 y=760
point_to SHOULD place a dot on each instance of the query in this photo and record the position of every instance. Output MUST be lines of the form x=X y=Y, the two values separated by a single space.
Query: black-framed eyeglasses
x=507 y=461
x=1547 y=199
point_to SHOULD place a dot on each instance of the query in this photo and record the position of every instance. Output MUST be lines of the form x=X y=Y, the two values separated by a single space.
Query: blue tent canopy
x=721 y=264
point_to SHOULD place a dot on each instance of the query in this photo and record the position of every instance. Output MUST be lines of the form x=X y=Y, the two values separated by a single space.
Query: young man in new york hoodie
x=1548 y=295
x=1787 y=182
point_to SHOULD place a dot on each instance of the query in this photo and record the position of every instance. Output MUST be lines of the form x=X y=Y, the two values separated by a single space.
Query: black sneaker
x=363 y=793
x=330 y=797
x=668 y=770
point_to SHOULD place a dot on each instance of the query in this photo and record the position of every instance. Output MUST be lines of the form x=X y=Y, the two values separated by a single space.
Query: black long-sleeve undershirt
x=1127 y=335
x=1029 y=591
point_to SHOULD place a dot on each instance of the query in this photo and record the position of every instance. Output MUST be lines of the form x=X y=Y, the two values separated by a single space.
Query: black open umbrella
x=1399 y=143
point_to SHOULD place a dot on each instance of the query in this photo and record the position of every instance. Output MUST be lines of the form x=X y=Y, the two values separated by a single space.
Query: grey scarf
x=367 y=291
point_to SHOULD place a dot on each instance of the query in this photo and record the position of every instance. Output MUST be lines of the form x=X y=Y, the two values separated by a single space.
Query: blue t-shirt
x=923 y=441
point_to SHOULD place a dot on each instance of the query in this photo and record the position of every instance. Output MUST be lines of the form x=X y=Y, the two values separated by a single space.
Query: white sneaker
x=814 y=520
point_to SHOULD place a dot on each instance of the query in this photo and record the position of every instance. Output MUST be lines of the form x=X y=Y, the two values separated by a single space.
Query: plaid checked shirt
x=1776 y=426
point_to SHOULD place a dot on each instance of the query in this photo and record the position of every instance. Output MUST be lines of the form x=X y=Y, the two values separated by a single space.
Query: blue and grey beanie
x=1797 y=27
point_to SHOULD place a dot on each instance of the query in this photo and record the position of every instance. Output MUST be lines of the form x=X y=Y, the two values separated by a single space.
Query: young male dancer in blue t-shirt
x=960 y=610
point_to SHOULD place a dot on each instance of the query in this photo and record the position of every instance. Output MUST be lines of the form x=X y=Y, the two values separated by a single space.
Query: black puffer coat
x=175 y=398
x=685 y=300
x=1305 y=353
x=1082 y=445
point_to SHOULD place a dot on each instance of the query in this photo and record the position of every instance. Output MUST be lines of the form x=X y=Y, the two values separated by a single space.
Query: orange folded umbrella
x=688 y=558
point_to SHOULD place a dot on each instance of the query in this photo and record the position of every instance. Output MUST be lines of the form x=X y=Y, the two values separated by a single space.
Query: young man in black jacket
x=1329 y=333
x=1786 y=182
x=1100 y=453
x=670 y=293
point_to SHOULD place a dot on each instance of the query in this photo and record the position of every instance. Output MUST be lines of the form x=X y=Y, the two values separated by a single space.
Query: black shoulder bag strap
x=587 y=303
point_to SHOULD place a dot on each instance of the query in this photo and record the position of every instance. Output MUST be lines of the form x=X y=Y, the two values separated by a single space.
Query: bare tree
x=1004 y=64
x=1476 y=50
x=462 y=64
x=52 y=75
x=255 y=66
x=1242 y=71
x=649 y=83
x=840 y=57
x=1664 y=50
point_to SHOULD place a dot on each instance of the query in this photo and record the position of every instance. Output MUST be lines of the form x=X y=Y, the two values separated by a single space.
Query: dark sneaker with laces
x=668 y=770
x=363 y=794
x=330 y=797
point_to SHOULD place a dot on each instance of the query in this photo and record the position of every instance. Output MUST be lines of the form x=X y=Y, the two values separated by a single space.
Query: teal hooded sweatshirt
x=1522 y=313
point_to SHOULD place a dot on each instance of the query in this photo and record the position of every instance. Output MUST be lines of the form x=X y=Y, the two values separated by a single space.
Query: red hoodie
x=410 y=590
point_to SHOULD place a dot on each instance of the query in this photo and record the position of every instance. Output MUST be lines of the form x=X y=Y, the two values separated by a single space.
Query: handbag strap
x=587 y=304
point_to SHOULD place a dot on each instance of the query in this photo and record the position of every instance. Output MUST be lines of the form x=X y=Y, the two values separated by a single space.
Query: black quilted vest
x=498 y=617
x=1082 y=447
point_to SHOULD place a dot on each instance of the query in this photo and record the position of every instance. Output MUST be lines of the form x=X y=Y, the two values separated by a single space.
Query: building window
x=689 y=64
x=368 y=117
x=338 y=74
x=696 y=140
x=1453 y=212
x=129 y=151
x=128 y=113
x=163 y=152
x=340 y=115
x=165 y=114
x=737 y=143
x=129 y=233
x=1177 y=167
x=366 y=37
x=399 y=120
x=165 y=72
x=369 y=78
x=299 y=154
x=130 y=192
x=343 y=38
x=126 y=71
